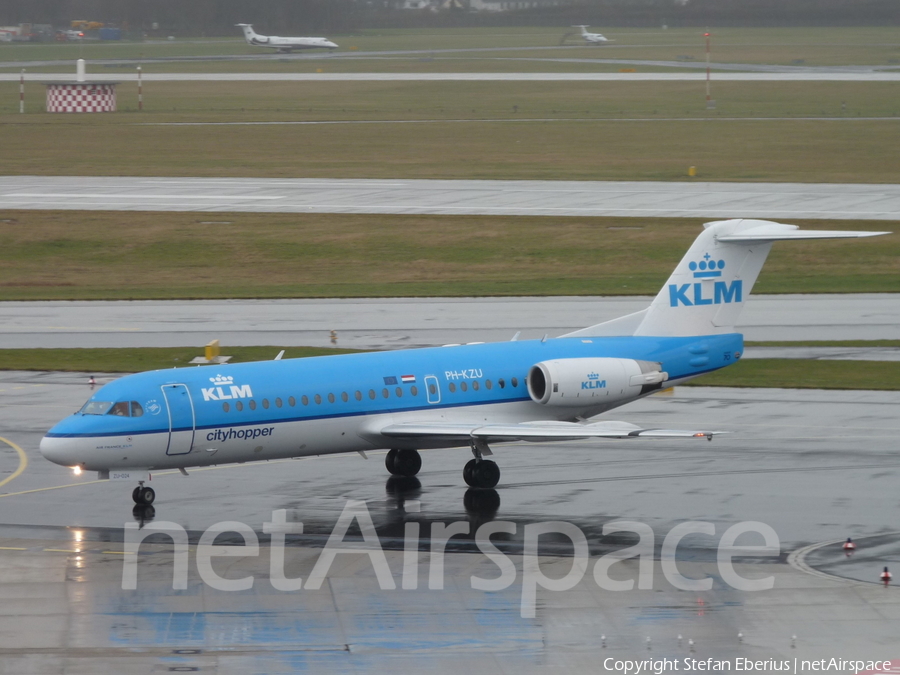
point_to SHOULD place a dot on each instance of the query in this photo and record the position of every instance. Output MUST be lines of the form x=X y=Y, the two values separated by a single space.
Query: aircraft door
x=432 y=389
x=181 y=419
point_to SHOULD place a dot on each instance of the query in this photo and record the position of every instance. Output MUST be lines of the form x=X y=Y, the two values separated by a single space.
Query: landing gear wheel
x=389 y=460
x=483 y=474
x=145 y=496
x=469 y=472
x=136 y=495
x=403 y=462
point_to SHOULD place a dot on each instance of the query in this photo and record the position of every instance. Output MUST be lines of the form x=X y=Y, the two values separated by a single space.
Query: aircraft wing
x=534 y=431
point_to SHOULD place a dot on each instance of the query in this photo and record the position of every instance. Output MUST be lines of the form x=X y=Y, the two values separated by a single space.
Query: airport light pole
x=22 y=92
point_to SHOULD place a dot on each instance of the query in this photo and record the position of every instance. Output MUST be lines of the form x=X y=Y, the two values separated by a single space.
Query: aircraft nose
x=59 y=451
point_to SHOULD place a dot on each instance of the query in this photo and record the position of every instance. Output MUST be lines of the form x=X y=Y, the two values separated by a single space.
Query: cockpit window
x=120 y=409
x=95 y=407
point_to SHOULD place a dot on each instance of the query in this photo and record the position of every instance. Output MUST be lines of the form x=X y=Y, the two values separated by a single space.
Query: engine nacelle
x=588 y=382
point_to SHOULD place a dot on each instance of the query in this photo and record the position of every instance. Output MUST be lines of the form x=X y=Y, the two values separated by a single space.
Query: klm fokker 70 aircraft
x=455 y=396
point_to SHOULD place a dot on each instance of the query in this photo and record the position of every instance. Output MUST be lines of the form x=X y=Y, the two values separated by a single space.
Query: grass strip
x=134 y=360
x=474 y=130
x=777 y=373
x=824 y=343
x=108 y=255
x=806 y=374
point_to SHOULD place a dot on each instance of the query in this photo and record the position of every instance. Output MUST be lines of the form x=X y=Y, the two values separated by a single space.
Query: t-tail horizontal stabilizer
x=708 y=289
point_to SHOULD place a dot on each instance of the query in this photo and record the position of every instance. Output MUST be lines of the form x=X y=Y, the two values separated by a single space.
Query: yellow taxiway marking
x=23 y=462
x=155 y=473
x=117 y=552
x=12 y=548
x=61 y=550
x=55 y=487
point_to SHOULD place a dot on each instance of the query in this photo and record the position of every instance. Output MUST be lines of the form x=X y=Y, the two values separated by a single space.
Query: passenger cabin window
x=266 y=403
x=238 y=406
x=331 y=398
x=463 y=386
x=292 y=401
x=399 y=391
x=385 y=392
x=452 y=387
x=252 y=404
x=318 y=399
x=372 y=394
x=344 y=397
x=502 y=383
x=226 y=407
x=515 y=382
x=359 y=396
x=277 y=402
x=304 y=400
x=414 y=390
x=475 y=385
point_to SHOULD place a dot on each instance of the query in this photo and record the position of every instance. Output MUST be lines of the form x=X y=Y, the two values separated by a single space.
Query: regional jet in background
x=284 y=44
x=592 y=38
x=460 y=396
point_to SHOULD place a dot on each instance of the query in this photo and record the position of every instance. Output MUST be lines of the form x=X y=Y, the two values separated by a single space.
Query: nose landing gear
x=480 y=472
x=143 y=496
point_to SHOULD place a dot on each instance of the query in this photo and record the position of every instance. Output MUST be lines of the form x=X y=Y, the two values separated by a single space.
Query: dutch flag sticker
x=408 y=379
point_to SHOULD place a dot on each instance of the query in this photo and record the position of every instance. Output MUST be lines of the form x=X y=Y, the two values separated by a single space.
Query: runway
x=399 y=323
x=455 y=197
x=814 y=466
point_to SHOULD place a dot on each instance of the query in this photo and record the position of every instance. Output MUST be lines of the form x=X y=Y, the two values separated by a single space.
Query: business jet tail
x=249 y=33
x=708 y=289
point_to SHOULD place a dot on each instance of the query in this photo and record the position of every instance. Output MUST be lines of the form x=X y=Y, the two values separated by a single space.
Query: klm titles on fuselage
x=695 y=294
x=225 y=390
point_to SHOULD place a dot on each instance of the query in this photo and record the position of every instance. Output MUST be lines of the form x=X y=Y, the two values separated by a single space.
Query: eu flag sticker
x=390 y=379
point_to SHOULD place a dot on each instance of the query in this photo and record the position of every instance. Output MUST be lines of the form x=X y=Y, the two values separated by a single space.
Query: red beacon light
x=849 y=546
x=886 y=576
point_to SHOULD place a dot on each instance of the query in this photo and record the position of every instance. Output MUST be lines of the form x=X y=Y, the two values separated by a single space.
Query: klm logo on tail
x=692 y=295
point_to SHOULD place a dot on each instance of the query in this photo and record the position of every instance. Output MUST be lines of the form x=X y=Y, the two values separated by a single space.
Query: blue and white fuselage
x=333 y=404
x=463 y=395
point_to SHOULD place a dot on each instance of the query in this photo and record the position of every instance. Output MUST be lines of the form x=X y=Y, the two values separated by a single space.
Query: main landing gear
x=480 y=472
x=403 y=462
x=143 y=496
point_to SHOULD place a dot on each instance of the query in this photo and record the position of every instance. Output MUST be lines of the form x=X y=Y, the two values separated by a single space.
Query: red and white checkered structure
x=81 y=97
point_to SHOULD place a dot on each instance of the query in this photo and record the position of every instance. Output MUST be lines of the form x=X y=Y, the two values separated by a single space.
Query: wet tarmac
x=814 y=466
x=398 y=323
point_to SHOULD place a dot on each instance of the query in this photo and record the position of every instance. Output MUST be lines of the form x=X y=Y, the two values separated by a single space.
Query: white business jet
x=284 y=44
x=592 y=38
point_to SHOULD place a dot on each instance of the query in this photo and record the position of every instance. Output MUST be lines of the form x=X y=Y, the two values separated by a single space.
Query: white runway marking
x=116 y=195
x=827 y=76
